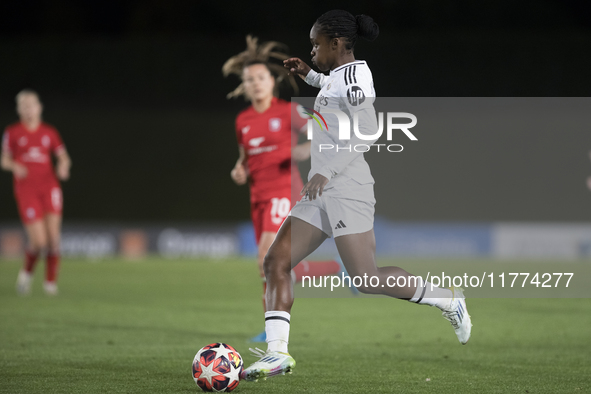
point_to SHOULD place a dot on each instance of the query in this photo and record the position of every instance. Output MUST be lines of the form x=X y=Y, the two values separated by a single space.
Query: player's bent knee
x=269 y=264
x=38 y=245
x=33 y=248
x=273 y=264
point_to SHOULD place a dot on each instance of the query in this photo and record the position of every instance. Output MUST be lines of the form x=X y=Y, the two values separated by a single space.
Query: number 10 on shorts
x=279 y=209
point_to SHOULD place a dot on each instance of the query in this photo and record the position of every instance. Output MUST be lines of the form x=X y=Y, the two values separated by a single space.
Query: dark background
x=136 y=90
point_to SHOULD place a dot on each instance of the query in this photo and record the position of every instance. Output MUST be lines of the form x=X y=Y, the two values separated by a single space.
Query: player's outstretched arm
x=311 y=77
x=8 y=164
x=297 y=66
x=63 y=165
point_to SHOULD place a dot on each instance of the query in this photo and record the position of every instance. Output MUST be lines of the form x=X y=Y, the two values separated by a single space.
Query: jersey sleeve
x=358 y=90
x=315 y=79
x=57 y=145
x=299 y=118
x=357 y=100
x=7 y=143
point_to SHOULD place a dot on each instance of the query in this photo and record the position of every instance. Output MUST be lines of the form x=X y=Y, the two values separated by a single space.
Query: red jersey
x=267 y=139
x=33 y=150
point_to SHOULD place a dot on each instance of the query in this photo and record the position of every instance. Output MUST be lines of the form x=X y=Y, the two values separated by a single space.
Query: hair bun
x=367 y=28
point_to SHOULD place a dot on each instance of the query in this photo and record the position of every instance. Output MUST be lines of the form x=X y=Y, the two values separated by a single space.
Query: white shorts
x=335 y=216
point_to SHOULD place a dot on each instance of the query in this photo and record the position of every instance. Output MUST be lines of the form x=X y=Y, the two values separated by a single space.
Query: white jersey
x=349 y=89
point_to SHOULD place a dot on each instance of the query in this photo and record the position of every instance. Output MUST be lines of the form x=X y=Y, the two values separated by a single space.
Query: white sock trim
x=432 y=295
x=419 y=294
x=278 y=315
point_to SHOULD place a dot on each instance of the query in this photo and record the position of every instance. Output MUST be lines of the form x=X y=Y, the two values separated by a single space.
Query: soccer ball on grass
x=217 y=367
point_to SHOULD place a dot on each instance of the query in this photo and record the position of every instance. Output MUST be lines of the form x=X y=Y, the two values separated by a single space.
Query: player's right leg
x=37 y=241
x=264 y=243
x=295 y=240
x=30 y=209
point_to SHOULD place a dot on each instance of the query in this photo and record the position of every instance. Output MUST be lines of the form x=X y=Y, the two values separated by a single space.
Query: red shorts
x=34 y=204
x=269 y=215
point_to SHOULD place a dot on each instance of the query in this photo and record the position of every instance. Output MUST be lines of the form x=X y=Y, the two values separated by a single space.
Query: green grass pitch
x=134 y=327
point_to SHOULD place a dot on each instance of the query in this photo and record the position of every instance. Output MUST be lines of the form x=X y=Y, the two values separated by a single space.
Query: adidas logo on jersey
x=340 y=225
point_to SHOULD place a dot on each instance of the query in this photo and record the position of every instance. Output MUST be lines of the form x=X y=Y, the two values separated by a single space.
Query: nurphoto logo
x=345 y=129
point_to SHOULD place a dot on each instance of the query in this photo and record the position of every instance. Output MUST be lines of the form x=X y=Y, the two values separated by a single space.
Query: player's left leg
x=52 y=207
x=53 y=224
x=358 y=254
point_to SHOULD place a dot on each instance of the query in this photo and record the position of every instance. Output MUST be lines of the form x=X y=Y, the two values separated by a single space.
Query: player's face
x=29 y=108
x=322 y=53
x=258 y=82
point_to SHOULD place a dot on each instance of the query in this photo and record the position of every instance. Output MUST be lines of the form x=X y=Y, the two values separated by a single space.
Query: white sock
x=277 y=329
x=432 y=295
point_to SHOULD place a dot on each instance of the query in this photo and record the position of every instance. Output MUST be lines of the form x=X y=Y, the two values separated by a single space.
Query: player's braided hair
x=256 y=53
x=342 y=24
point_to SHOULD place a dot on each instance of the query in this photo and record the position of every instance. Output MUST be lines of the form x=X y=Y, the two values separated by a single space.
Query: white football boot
x=23 y=282
x=50 y=288
x=458 y=316
x=271 y=364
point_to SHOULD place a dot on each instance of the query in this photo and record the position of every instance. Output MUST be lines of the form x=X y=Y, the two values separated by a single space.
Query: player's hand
x=301 y=152
x=315 y=186
x=296 y=66
x=19 y=170
x=63 y=171
x=238 y=175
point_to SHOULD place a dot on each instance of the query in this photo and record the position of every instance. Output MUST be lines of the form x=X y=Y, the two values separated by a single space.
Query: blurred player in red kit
x=267 y=133
x=27 y=147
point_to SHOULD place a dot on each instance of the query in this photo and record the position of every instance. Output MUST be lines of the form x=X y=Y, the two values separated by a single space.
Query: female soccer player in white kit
x=338 y=198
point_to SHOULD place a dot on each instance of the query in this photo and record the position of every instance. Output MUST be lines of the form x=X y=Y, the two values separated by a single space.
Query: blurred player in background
x=339 y=198
x=27 y=148
x=266 y=132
